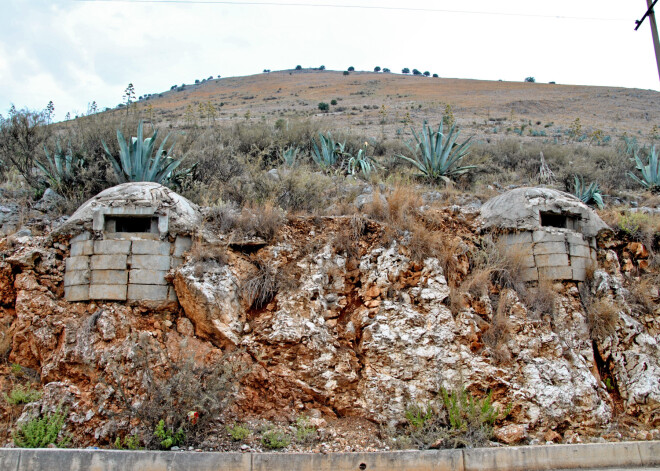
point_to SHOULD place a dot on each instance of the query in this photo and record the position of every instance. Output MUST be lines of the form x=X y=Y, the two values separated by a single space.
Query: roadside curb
x=530 y=458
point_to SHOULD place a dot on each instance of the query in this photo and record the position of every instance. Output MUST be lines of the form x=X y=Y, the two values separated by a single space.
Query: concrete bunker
x=124 y=242
x=555 y=231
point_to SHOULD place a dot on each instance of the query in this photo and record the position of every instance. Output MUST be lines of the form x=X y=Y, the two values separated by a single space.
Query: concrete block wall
x=123 y=267
x=554 y=254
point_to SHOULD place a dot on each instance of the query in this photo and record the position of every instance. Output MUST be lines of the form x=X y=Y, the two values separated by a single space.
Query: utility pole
x=654 y=29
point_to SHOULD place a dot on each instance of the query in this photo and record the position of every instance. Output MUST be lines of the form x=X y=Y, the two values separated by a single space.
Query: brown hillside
x=476 y=104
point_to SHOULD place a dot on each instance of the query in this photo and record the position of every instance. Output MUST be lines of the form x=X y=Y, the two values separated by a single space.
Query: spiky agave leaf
x=650 y=173
x=435 y=155
x=587 y=194
x=136 y=161
x=360 y=163
x=61 y=166
x=330 y=150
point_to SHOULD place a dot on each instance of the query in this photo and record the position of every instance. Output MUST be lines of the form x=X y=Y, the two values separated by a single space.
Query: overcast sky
x=75 y=52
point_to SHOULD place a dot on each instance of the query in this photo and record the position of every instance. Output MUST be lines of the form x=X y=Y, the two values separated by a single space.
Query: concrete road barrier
x=627 y=455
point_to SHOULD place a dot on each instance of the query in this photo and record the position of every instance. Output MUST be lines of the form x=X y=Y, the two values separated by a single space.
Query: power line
x=654 y=29
x=362 y=7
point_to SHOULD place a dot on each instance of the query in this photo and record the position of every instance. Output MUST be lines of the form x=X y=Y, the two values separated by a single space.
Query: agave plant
x=136 y=162
x=62 y=168
x=290 y=156
x=588 y=194
x=361 y=163
x=329 y=152
x=650 y=173
x=437 y=156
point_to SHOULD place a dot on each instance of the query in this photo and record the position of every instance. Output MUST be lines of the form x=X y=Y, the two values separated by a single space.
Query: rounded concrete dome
x=530 y=208
x=139 y=199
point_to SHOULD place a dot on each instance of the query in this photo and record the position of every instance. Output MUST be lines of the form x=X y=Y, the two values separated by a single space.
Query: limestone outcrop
x=360 y=330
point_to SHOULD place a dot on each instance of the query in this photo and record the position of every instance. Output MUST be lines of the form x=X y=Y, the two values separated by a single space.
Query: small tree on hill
x=416 y=72
x=299 y=67
x=324 y=106
x=376 y=69
x=351 y=69
x=427 y=73
x=322 y=67
x=129 y=96
x=386 y=70
x=346 y=72
x=50 y=110
x=405 y=70
x=530 y=79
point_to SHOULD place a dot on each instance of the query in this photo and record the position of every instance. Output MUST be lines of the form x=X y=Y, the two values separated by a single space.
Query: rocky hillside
x=381 y=103
x=344 y=326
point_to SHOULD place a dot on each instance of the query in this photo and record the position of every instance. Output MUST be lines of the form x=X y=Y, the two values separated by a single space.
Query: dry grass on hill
x=478 y=105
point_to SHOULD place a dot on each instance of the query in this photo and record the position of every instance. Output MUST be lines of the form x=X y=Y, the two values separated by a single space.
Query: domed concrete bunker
x=125 y=241
x=555 y=231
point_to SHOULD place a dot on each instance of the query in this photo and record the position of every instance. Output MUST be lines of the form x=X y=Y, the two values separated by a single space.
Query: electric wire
x=363 y=7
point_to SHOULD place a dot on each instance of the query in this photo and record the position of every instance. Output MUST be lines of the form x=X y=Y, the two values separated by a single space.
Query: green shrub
x=324 y=106
x=471 y=420
x=275 y=439
x=131 y=442
x=418 y=415
x=633 y=224
x=39 y=432
x=333 y=102
x=22 y=395
x=238 y=432
x=168 y=437
x=305 y=433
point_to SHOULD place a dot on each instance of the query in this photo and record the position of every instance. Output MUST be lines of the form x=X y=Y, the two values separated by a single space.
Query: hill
x=477 y=105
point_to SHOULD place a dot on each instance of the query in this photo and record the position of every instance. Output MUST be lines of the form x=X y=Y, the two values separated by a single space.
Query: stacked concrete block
x=521 y=243
x=77 y=275
x=554 y=254
x=122 y=268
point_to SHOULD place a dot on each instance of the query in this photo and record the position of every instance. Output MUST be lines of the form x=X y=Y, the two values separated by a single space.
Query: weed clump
x=305 y=432
x=261 y=286
x=182 y=400
x=461 y=420
x=39 y=432
x=275 y=439
x=22 y=395
x=238 y=432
